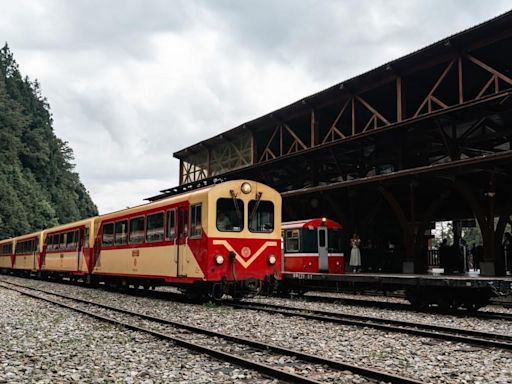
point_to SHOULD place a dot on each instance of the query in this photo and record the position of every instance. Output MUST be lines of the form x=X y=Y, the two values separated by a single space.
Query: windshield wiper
x=258 y=199
x=237 y=208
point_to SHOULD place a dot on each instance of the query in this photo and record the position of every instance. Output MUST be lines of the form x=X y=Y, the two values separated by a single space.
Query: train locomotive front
x=244 y=237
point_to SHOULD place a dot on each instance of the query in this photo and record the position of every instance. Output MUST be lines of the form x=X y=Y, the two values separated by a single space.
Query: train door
x=81 y=242
x=323 y=263
x=182 y=241
x=35 y=254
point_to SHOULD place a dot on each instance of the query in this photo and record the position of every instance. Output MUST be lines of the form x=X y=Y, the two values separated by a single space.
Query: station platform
x=388 y=282
x=402 y=278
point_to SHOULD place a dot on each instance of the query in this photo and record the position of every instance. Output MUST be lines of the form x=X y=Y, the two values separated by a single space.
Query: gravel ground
x=42 y=343
x=425 y=359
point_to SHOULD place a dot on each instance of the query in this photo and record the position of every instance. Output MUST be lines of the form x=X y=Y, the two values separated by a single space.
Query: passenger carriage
x=313 y=245
x=223 y=238
x=67 y=250
x=27 y=249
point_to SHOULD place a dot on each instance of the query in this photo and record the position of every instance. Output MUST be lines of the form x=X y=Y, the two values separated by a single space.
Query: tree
x=38 y=185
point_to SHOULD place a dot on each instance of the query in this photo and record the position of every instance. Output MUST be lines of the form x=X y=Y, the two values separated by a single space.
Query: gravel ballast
x=42 y=343
x=425 y=359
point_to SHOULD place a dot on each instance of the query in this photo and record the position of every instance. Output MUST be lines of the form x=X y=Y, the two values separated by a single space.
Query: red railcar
x=313 y=245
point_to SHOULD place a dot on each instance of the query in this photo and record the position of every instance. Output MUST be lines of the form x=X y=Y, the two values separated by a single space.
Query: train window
x=171 y=224
x=49 y=242
x=6 y=249
x=292 y=240
x=336 y=240
x=322 y=240
x=261 y=216
x=27 y=246
x=62 y=240
x=155 y=230
x=86 y=237
x=195 y=221
x=108 y=234
x=309 y=240
x=137 y=230
x=230 y=215
x=55 y=242
x=72 y=240
x=121 y=229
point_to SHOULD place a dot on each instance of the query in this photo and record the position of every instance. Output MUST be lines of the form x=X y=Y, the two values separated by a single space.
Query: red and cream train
x=222 y=238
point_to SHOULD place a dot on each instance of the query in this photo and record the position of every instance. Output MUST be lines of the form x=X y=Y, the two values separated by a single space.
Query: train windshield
x=261 y=216
x=335 y=240
x=230 y=215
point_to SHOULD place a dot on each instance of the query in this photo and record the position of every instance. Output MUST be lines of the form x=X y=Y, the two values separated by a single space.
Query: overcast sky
x=130 y=82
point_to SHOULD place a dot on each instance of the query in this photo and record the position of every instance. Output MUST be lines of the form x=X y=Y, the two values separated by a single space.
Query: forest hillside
x=38 y=185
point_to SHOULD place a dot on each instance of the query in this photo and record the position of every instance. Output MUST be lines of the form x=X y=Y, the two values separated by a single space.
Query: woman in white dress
x=355 y=253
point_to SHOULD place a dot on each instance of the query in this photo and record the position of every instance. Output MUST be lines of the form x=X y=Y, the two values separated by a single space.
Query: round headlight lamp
x=272 y=259
x=246 y=187
x=219 y=259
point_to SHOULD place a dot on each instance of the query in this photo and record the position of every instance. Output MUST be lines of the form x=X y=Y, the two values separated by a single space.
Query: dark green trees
x=38 y=186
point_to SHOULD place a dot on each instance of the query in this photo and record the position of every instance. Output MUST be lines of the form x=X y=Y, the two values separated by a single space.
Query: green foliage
x=38 y=185
x=472 y=236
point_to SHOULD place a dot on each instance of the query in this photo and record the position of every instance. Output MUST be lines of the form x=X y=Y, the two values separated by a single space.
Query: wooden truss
x=229 y=155
x=356 y=116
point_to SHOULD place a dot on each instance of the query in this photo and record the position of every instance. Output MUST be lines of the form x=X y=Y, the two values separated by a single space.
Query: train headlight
x=219 y=259
x=272 y=259
x=246 y=188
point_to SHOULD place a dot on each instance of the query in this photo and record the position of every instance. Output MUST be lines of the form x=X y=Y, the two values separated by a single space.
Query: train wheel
x=445 y=303
x=417 y=303
x=90 y=280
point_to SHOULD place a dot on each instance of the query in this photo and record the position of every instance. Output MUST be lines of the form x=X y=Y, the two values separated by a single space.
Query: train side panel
x=146 y=261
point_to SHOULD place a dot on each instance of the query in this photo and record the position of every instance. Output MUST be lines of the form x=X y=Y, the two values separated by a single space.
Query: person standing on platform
x=507 y=250
x=355 y=253
x=443 y=255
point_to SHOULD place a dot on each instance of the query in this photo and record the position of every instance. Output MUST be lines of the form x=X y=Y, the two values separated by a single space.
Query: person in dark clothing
x=507 y=251
x=443 y=255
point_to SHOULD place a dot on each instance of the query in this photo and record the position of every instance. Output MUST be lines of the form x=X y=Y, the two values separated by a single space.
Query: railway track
x=406 y=307
x=237 y=350
x=419 y=329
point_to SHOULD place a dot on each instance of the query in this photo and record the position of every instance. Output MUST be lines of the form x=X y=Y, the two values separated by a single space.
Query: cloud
x=130 y=82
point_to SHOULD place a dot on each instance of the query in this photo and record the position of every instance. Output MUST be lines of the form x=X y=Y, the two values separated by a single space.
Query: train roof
x=6 y=241
x=28 y=236
x=182 y=196
x=312 y=223
x=71 y=225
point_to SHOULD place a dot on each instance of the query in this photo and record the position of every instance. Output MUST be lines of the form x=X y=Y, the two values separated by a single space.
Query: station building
x=424 y=138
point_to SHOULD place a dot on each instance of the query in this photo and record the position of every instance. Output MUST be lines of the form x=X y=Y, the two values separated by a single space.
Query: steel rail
x=419 y=329
x=274 y=372
x=407 y=307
